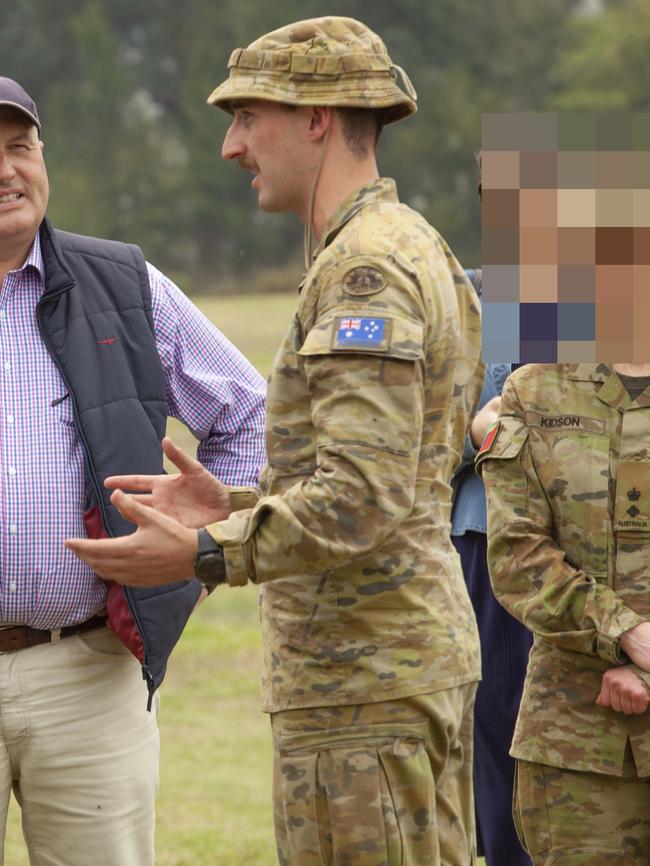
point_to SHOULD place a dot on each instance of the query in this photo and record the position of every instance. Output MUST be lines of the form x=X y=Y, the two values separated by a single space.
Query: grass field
x=214 y=806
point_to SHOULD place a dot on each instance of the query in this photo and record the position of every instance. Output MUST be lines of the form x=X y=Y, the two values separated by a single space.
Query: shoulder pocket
x=510 y=437
x=365 y=331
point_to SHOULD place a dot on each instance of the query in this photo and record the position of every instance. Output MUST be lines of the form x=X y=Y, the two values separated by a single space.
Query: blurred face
x=23 y=182
x=269 y=140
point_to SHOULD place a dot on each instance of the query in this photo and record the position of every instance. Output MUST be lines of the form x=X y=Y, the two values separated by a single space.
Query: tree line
x=133 y=150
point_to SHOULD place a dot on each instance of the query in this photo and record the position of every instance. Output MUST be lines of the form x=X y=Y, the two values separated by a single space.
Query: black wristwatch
x=209 y=565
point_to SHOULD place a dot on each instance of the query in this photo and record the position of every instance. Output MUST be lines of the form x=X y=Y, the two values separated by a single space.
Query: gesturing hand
x=161 y=550
x=623 y=691
x=194 y=498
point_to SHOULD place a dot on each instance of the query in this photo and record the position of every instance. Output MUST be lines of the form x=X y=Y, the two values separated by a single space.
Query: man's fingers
x=145 y=499
x=131 y=509
x=627 y=704
x=603 y=699
x=623 y=691
x=141 y=483
x=101 y=554
x=179 y=458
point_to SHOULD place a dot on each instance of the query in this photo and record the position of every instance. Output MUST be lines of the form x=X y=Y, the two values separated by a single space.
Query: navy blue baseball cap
x=14 y=96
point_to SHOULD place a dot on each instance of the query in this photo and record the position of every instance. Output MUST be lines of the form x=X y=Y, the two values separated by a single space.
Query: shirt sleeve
x=367 y=412
x=210 y=386
x=528 y=569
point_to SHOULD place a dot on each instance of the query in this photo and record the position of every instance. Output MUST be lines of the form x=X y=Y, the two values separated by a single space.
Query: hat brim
x=7 y=103
x=380 y=94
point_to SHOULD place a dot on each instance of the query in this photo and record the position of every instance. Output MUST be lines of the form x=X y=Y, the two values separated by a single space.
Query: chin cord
x=312 y=200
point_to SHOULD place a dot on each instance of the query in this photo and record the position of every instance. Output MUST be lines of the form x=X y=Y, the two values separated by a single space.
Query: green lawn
x=214 y=806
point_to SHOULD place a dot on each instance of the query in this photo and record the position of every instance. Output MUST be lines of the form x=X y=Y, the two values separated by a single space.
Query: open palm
x=194 y=497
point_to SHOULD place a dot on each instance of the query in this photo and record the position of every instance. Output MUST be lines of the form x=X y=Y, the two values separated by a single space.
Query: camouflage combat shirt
x=567 y=475
x=367 y=408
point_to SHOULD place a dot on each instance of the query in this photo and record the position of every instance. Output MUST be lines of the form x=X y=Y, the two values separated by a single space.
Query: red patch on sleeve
x=490 y=436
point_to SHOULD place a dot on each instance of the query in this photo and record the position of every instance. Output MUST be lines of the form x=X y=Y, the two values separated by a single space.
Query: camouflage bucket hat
x=331 y=61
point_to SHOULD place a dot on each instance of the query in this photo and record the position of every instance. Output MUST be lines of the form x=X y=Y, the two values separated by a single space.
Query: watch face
x=211 y=568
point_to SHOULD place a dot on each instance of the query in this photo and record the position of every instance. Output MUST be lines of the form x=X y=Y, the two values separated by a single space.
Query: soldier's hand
x=483 y=420
x=623 y=691
x=161 y=550
x=194 y=498
x=636 y=643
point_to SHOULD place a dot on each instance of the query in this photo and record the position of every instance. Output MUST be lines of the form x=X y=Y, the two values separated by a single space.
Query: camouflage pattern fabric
x=385 y=784
x=569 y=818
x=367 y=409
x=322 y=61
x=567 y=474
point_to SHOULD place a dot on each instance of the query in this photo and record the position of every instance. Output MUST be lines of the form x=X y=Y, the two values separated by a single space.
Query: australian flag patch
x=357 y=333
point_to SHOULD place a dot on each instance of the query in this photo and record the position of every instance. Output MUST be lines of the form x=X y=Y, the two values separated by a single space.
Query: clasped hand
x=623 y=691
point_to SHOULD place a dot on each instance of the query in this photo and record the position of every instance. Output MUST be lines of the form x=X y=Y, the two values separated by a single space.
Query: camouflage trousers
x=574 y=818
x=382 y=784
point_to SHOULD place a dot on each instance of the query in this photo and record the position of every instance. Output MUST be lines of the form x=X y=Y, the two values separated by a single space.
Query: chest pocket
x=573 y=468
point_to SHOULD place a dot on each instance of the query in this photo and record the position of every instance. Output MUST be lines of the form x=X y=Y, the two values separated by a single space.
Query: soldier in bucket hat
x=371 y=651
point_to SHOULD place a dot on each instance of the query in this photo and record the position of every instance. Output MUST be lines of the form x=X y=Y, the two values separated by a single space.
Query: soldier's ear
x=320 y=119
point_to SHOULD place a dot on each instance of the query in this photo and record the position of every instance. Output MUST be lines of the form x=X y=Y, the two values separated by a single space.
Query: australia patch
x=359 y=333
x=363 y=280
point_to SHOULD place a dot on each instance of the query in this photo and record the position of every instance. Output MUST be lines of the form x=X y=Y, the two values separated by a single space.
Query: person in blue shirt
x=504 y=644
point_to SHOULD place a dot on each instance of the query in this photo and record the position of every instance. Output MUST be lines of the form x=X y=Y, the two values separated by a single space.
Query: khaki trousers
x=80 y=752
x=383 y=784
x=574 y=818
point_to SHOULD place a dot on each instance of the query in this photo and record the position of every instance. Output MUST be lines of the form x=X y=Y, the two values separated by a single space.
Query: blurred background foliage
x=133 y=150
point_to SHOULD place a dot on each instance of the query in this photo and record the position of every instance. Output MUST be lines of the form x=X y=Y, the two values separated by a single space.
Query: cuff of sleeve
x=642 y=675
x=236 y=570
x=609 y=642
x=229 y=533
x=243 y=497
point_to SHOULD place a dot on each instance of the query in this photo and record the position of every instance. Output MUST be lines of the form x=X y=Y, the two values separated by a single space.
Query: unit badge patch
x=363 y=281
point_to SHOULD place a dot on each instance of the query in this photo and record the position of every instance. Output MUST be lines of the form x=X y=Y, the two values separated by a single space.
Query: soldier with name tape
x=371 y=650
x=567 y=474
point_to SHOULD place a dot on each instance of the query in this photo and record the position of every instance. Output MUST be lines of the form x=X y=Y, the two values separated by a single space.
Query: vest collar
x=57 y=277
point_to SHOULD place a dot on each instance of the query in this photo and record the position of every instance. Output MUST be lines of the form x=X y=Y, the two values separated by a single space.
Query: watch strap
x=209 y=565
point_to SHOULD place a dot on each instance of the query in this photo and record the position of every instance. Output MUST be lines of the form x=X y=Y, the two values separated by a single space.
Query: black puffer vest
x=96 y=322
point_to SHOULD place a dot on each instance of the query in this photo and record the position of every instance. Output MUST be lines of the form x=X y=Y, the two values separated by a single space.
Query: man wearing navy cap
x=97 y=347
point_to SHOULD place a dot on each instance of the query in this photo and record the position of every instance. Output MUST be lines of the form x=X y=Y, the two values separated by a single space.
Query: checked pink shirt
x=210 y=387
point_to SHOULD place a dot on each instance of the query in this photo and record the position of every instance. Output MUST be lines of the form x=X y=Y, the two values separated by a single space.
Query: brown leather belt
x=19 y=637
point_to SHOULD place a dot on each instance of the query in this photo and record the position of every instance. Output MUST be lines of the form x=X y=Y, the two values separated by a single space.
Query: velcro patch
x=360 y=333
x=490 y=438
